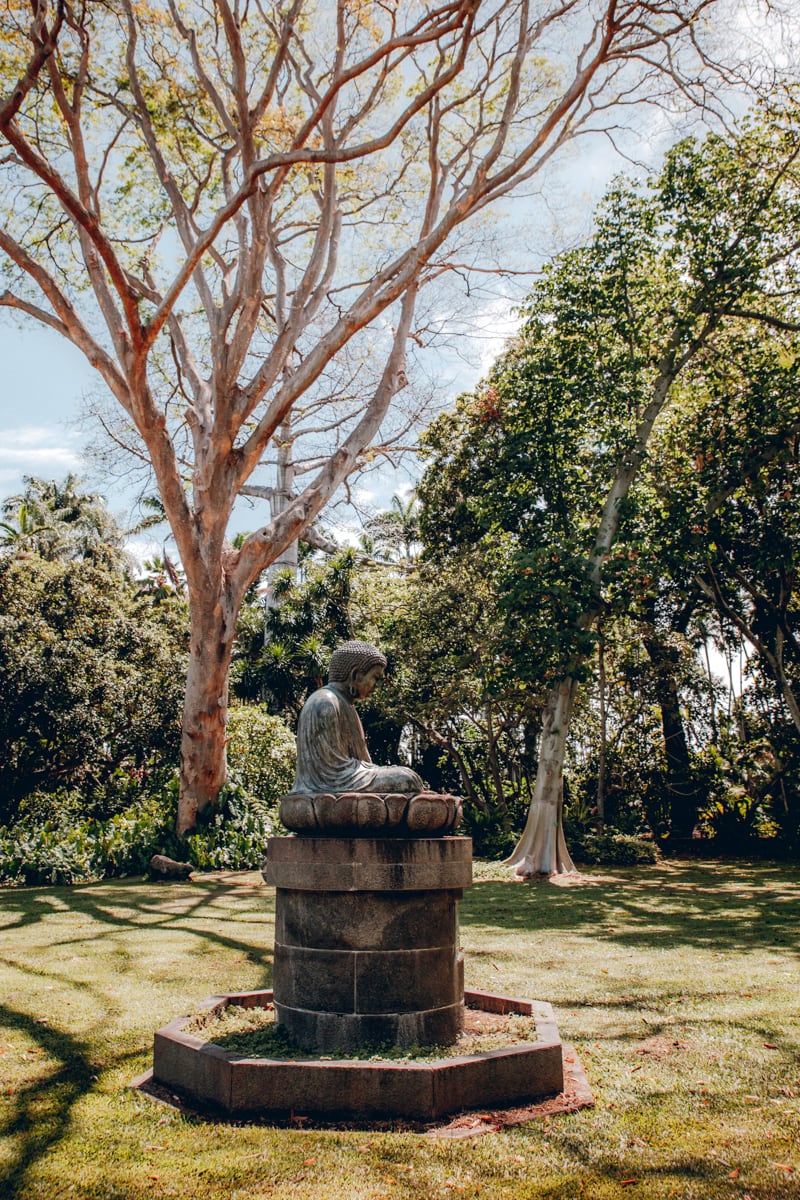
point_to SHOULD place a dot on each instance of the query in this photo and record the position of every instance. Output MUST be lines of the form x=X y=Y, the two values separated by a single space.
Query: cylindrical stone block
x=366 y=940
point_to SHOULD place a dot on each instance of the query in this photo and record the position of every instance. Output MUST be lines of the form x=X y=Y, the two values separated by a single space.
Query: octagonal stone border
x=343 y=1089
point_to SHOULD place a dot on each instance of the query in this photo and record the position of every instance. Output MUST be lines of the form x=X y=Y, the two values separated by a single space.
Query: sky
x=41 y=382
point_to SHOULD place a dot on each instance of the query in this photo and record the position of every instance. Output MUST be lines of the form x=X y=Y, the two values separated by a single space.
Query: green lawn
x=678 y=984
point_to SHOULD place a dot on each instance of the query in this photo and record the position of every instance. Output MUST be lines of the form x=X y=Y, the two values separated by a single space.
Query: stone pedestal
x=366 y=939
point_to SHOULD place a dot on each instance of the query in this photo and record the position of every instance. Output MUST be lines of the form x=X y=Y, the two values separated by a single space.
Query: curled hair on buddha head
x=353 y=656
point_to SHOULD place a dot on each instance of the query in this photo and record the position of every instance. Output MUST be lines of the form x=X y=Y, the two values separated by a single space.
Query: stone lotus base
x=346 y=1089
x=425 y=814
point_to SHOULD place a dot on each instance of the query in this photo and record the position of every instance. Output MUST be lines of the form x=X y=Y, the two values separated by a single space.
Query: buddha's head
x=357 y=667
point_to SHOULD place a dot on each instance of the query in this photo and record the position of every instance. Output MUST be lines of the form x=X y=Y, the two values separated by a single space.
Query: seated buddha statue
x=332 y=755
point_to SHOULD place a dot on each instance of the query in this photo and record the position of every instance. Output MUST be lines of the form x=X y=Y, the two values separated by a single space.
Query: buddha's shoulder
x=325 y=699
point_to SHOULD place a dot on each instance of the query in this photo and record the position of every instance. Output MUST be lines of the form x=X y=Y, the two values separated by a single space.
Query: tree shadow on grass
x=76 y=920
x=40 y=1111
x=135 y=903
x=711 y=906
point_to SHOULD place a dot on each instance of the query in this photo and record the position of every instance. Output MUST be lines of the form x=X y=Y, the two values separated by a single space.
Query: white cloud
x=141 y=549
x=36 y=450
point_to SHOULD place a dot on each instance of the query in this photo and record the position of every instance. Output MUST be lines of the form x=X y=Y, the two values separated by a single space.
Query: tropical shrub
x=614 y=849
x=261 y=752
x=92 y=678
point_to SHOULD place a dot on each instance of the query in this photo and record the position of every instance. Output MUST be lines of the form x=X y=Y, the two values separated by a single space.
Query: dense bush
x=613 y=849
x=233 y=839
x=494 y=831
x=261 y=752
x=55 y=853
x=55 y=842
x=92 y=682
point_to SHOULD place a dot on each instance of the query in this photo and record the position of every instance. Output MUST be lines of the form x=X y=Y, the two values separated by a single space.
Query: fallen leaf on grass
x=734 y=1173
x=783 y=1167
x=771 y=1046
x=627 y=1182
x=309 y=1162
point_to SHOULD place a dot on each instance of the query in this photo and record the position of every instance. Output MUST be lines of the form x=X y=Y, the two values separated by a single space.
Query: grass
x=253 y=1033
x=678 y=985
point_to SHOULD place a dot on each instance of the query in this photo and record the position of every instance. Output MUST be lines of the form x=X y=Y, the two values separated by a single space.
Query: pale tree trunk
x=279 y=501
x=203 y=736
x=542 y=849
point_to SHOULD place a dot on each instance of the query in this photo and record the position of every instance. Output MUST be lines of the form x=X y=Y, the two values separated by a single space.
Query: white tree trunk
x=542 y=849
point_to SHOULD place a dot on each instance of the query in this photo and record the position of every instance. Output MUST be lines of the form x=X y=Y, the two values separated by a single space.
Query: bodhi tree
x=233 y=208
x=538 y=465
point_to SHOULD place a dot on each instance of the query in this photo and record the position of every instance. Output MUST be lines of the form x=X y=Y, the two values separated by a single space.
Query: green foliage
x=633 y=455
x=61 y=854
x=56 y=852
x=281 y=653
x=394 y=533
x=452 y=687
x=92 y=683
x=261 y=752
x=495 y=828
x=59 y=522
x=614 y=849
x=524 y=466
x=234 y=836
x=54 y=842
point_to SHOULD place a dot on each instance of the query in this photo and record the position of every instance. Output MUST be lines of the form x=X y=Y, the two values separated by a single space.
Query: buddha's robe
x=332 y=753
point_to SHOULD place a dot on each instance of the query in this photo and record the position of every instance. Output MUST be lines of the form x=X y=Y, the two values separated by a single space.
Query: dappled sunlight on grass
x=678 y=984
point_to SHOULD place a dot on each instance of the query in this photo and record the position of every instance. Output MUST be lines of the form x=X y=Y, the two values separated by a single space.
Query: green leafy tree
x=722 y=532
x=57 y=520
x=538 y=465
x=92 y=679
x=474 y=724
x=394 y=533
x=285 y=641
